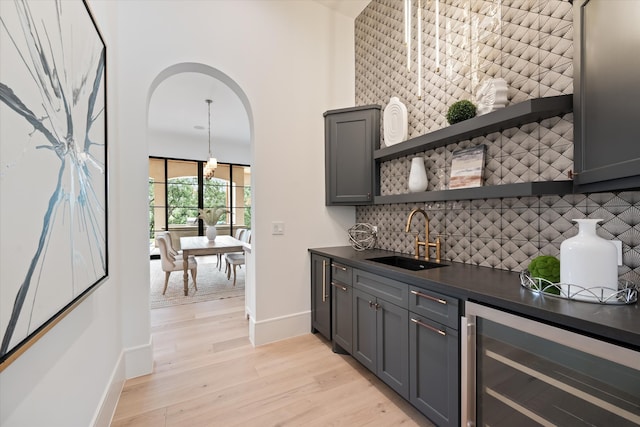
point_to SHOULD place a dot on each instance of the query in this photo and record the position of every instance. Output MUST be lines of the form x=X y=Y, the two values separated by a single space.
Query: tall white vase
x=211 y=232
x=418 y=176
x=587 y=260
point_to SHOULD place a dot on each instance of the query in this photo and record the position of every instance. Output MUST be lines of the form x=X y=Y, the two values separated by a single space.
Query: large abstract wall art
x=53 y=166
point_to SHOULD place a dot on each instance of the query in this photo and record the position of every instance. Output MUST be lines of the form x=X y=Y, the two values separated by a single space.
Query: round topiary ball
x=461 y=110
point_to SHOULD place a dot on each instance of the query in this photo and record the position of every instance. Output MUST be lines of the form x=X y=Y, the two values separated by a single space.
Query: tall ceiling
x=178 y=106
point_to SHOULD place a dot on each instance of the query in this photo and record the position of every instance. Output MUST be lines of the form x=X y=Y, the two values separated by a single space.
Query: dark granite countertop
x=618 y=324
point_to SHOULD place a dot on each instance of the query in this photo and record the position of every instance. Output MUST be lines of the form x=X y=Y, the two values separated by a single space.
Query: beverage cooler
x=520 y=372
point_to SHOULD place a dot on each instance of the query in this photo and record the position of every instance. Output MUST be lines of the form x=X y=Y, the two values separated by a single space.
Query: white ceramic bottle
x=418 y=176
x=588 y=261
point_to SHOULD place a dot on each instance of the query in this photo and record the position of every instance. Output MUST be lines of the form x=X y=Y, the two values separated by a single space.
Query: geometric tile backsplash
x=529 y=43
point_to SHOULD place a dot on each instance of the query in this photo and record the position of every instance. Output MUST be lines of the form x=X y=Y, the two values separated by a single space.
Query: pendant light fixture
x=212 y=163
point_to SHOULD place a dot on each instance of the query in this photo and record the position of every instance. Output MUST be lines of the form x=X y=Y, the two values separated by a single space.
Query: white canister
x=418 y=176
x=588 y=261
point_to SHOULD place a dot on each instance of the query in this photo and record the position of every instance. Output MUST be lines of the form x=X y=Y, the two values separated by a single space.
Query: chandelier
x=212 y=163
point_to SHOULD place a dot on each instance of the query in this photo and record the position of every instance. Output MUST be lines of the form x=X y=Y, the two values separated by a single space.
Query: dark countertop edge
x=617 y=324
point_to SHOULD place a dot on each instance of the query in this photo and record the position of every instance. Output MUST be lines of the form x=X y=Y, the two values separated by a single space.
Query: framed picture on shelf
x=467 y=167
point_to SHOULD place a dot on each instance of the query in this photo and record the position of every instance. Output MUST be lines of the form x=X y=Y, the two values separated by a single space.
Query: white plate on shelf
x=395 y=122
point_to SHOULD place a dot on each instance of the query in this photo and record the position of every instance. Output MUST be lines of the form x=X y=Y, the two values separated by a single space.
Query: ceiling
x=350 y=8
x=178 y=106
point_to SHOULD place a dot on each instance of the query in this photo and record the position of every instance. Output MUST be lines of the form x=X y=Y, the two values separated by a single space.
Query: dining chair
x=171 y=263
x=235 y=259
x=170 y=248
x=239 y=235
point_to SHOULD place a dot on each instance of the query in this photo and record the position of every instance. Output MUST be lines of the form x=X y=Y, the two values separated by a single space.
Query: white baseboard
x=139 y=360
x=279 y=328
x=133 y=362
x=109 y=401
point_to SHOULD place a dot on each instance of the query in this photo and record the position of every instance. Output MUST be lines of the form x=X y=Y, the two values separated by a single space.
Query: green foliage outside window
x=182 y=200
x=247 y=204
x=152 y=202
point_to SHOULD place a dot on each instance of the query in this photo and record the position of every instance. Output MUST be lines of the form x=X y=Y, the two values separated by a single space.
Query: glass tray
x=627 y=292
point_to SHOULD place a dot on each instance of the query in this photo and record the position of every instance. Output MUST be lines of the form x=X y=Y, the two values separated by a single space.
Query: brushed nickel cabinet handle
x=431 y=328
x=324 y=280
x=429 y=297
x=341 y=267
x=338 y=285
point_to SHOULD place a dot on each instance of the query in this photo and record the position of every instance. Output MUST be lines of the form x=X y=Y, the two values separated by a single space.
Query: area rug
x=212 y=284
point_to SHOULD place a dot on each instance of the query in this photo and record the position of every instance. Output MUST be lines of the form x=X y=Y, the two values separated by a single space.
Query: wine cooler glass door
x=525 y=373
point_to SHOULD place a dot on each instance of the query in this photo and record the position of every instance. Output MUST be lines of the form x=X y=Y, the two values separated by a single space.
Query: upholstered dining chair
x=171 y=263
x=239 y=235
x=235 y=259
x=170 y=248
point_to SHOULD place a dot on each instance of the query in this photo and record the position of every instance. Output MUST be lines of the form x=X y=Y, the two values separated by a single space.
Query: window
x=177 y=190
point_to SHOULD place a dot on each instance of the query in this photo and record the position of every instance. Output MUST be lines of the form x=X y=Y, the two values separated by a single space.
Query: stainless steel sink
x=407 y=263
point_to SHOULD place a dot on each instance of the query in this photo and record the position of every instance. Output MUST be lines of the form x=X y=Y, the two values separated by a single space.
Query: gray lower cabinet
x=381 y=331
x=433 y=369
x=406 y=335
x=351 y=136
x=342 y=308
x=321 y=295
x=434 y=355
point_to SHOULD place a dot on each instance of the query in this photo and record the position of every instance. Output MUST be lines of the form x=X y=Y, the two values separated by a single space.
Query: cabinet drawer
x=388 y=289
x=341 y=273
x=441 y=308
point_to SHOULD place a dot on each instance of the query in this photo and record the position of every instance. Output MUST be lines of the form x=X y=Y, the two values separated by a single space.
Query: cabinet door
x=342 y=296
x=364 y=329
x=321 y=295
x=351 y=136
x=606 y=93
x=393 y=346
x=433 y=360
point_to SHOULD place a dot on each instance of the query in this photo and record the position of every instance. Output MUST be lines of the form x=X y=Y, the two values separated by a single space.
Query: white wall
x=77 y=368
x=294 y=60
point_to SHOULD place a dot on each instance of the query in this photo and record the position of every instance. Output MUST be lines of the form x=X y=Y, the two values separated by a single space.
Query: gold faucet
x=426 y=243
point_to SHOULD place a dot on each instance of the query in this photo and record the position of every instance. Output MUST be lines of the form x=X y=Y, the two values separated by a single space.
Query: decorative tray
x=627 y=292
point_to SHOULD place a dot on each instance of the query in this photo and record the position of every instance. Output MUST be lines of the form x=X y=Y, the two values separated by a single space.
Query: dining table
x=201 y=245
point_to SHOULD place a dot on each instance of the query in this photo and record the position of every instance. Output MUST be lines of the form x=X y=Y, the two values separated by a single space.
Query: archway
x=221 y=88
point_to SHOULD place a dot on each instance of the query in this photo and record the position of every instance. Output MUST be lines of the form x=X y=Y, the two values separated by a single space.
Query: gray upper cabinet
x=351 y=136
x=607 y=95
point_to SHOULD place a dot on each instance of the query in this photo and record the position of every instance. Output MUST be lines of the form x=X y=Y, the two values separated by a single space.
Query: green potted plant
x=211 y=216
x=460 y=111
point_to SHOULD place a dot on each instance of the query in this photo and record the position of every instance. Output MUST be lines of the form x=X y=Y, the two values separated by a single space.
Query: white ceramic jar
x=588 y=261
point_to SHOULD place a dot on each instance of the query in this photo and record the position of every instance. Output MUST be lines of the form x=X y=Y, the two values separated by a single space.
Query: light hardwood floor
x=207 y=373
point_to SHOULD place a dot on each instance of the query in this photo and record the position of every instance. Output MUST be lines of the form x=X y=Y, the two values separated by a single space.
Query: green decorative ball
x=546 y=267
x=460 y=111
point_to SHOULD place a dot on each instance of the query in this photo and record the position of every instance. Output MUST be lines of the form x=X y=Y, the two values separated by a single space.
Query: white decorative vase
x=394 y=121
x=587 y=260
x=417 y=176
x=211 y=232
